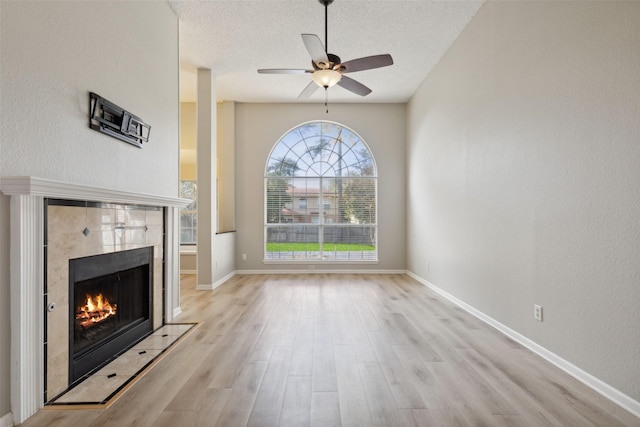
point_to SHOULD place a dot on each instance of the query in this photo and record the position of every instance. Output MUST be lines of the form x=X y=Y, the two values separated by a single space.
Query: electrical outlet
x=244 y=257
x=537 y=312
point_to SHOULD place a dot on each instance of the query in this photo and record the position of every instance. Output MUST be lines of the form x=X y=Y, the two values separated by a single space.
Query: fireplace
x=110 y=306
x=45 y=235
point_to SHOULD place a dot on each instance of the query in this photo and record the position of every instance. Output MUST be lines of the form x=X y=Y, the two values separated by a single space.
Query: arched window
x=320 y=196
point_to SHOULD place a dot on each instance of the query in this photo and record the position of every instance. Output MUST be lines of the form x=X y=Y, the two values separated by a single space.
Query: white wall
x=223 y=257
x=188 y=141
x=260 y=126
x=51 y=55
x=226 y=162
x=524 y=178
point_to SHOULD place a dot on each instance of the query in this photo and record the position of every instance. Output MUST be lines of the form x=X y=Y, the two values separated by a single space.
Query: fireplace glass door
x=106 y=305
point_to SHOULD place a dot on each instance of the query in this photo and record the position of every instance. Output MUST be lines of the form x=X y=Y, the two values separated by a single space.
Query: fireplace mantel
x=33 y=186
x=27 y=271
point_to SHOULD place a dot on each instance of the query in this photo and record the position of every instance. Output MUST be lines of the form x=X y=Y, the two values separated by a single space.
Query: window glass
x=188 y=214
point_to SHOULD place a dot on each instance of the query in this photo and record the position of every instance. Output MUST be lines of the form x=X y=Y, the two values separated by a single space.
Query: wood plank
x=324 y=366
x=457 y=391
x=230 y=355
x=398 y=379
x=174 y=418
x=382 y=407
x=302 y=358
x=266 y=409
x=354 y=409
x=325 y=410
x=296 y=407
x=243 y=394
x=212 y=404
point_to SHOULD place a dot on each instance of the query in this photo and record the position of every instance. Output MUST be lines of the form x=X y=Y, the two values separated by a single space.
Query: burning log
x=94 y=311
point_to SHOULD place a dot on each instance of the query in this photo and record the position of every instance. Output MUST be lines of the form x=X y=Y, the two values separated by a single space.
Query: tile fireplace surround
x=115 y=220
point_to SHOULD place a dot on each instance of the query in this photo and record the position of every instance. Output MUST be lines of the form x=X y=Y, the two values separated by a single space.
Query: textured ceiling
x=236 y=37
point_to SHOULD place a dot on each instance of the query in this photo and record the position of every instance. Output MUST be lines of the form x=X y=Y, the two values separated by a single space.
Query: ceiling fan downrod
x=326 y=4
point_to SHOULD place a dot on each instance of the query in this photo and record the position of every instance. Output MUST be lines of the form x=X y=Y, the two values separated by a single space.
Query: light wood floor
x=350 y=350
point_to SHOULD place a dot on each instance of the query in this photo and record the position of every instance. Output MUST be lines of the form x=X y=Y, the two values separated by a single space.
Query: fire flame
x=95 y=310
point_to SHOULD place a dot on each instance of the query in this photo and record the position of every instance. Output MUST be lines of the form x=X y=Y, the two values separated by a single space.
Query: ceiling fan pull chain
x=326 y=99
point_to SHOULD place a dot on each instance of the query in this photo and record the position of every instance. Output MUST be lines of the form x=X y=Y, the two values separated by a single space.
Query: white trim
x=216 y=284
x=6 y=420
x=188 y=249
x=177 y=312
x=584 y=377
x=321 y=271
x=27 y=324
x=34 y=186
x=319 y=262
x=172 y=262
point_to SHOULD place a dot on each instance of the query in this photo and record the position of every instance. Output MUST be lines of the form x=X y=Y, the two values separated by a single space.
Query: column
x=206 y=169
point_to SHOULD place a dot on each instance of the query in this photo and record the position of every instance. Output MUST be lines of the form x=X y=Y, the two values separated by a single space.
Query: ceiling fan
x=328 y=70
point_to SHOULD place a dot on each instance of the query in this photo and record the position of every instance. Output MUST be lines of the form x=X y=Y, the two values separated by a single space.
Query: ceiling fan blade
x=354 y=86
x=308 y=91
x=316 y=49
x=283 y=71
x=367 y=63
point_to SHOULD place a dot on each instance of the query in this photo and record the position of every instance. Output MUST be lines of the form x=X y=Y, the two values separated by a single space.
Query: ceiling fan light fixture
x=326 y=78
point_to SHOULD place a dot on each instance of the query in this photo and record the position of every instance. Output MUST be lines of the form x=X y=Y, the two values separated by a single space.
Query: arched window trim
x=320 y=197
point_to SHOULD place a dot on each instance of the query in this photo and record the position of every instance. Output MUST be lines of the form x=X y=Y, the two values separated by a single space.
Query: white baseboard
x=7 y=420
x=584 y=377
x=211 y=287
x=321 y=271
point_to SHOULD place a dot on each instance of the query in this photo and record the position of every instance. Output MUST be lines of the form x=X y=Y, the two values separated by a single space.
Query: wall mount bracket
x=106 y=117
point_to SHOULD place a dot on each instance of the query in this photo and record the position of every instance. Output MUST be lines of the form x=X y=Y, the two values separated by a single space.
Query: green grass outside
x=314 y=247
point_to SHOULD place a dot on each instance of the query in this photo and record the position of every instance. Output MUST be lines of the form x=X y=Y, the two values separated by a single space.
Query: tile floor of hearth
x=103 y=386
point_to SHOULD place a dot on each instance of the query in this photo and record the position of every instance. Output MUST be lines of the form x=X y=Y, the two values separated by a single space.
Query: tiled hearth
x=103 y=387
x=112 y=220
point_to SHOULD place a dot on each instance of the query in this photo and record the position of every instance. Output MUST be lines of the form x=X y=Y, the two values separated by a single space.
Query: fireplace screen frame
x=85 y=268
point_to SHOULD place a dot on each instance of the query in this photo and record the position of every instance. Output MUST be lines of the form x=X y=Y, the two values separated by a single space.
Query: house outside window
x=321 y=196
x=189 y=214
